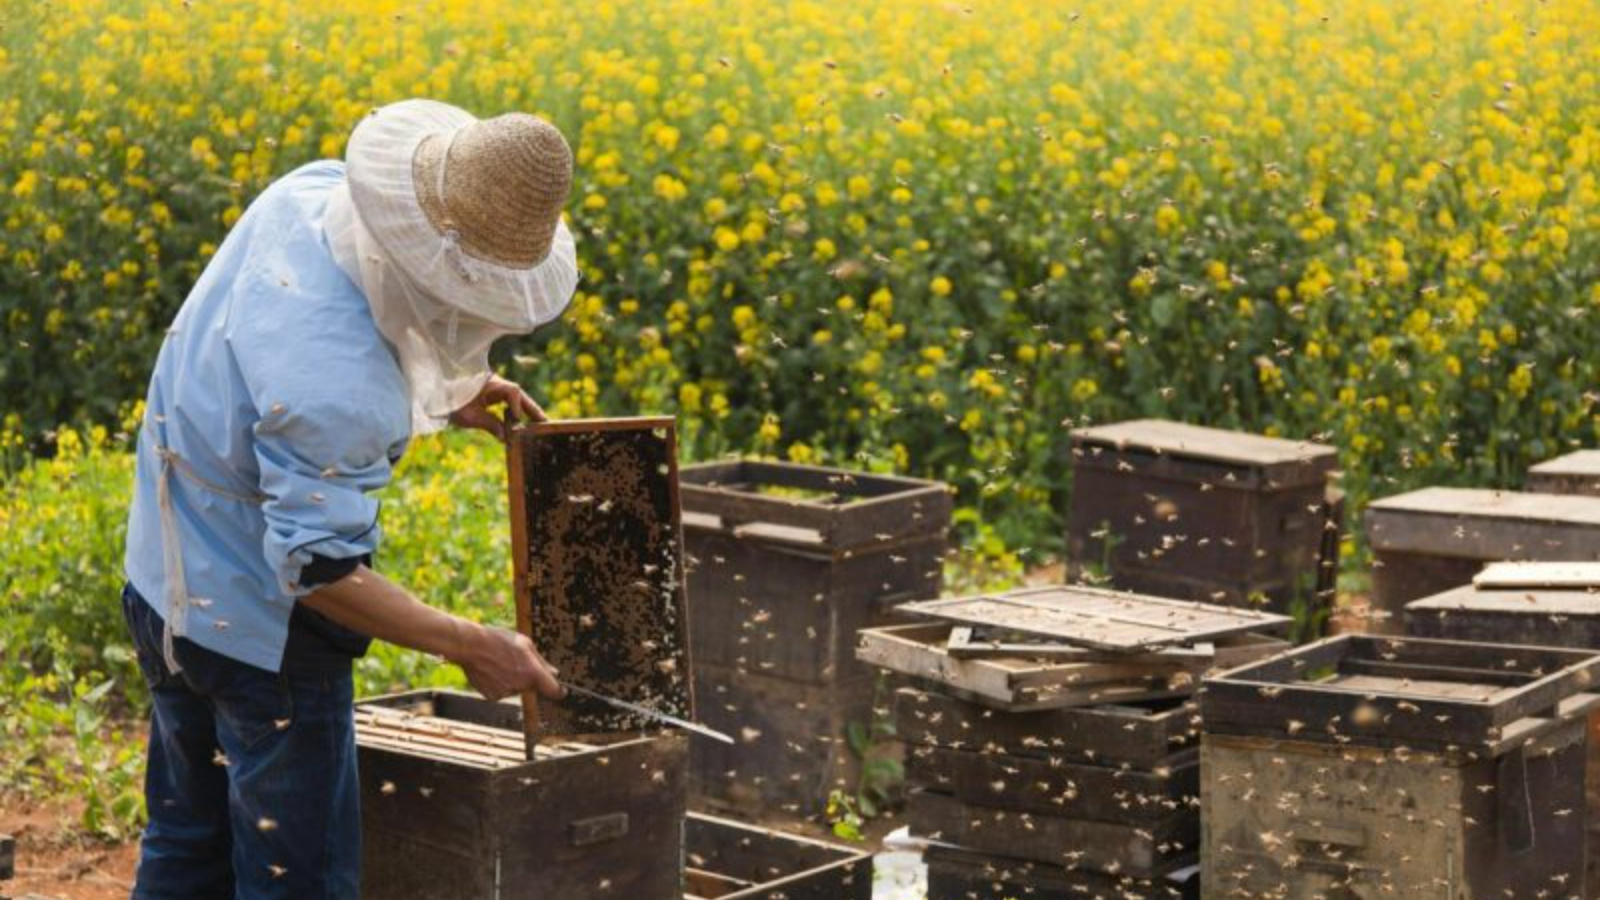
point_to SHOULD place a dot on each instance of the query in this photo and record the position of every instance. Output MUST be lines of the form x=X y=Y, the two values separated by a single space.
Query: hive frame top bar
x=1098 y=618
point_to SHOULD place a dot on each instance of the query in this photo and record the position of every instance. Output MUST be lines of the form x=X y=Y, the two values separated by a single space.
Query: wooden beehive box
x=1397 y=767
x=1200 y=513
x=453 y=810
x=1145 y=736
x=1108 y=791
x=1428 y=541
x=733 y=861
x=1540 y=604
x=1575 y=473
x=470 y=799
x=957 y=874
x=789 y=561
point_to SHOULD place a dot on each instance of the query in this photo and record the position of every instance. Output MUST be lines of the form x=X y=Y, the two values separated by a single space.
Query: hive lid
x=1480 y=523
x=1534 y=603
x=1098 y=618
x=597 y=546
x=1580 y=576
x=1287 y=462
x=1579 y=463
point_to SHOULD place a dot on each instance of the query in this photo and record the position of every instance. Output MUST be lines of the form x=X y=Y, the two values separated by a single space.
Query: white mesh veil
x=439 y=307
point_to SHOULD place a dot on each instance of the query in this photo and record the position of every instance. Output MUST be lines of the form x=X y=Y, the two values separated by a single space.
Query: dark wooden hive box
x=958 y=874
x=1109 y=791
x=553 y=801
x=453 y=818
x=1441 y=696
x=787 y=563
x=1575 y=473
x=1309 y=819
x=1429 y=541
x=1146 y=736
x=1150 y=850
x=1399 y=767
x=732 y=861
x=1049 y=787
x=791 y=749
x=1550 y=617
x=782 y=582
x=1198 y=513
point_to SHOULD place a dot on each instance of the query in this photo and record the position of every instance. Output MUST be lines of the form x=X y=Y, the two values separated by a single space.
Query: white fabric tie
x=177 y=599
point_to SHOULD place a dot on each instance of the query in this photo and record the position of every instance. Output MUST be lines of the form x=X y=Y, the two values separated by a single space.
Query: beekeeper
x=351 y=307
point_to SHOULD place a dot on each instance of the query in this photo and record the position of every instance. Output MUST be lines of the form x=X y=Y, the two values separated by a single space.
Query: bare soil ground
x=54 y=860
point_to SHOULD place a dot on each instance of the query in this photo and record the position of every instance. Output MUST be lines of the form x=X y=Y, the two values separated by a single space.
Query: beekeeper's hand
x=497 y=391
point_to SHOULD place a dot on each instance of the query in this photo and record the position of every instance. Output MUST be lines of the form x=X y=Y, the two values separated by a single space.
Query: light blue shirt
x=274 y=386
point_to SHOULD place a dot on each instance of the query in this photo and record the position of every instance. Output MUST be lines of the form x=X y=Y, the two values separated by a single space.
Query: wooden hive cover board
x=1480 y=523
x=1570 y=604
x=1211 y=444
x=1097 y=618
x=597 y=540
x=1569 y=576
x=1581 y=463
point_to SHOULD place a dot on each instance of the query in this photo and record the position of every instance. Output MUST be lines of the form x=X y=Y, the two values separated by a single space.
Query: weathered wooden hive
x=1431 y=540
x=452 y=808
x=733 y=861
x=468 y=799
x=1051 y=751
x=1575 y=473
x=1538 y=604
x=789 y=562
x=1205 y=514
x=1363 y=766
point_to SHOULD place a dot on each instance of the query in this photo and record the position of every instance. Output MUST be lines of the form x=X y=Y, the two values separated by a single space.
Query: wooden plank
x=1098 y=619
x=597 y=539
x=1015 y=685
x=1136 y=851
x=1574 y=576
x=1199 y=442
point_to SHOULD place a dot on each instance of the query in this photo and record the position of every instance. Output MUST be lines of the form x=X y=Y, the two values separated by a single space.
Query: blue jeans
x=251 y=784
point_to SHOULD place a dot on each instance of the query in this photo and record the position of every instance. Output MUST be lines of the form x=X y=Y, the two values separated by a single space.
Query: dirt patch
x=54 y=860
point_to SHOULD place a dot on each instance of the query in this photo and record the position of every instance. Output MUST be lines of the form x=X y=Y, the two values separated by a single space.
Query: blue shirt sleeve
x=320 y=456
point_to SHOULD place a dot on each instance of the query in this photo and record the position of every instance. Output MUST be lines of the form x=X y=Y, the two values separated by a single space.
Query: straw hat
x=468 y=209
x=499 y=184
